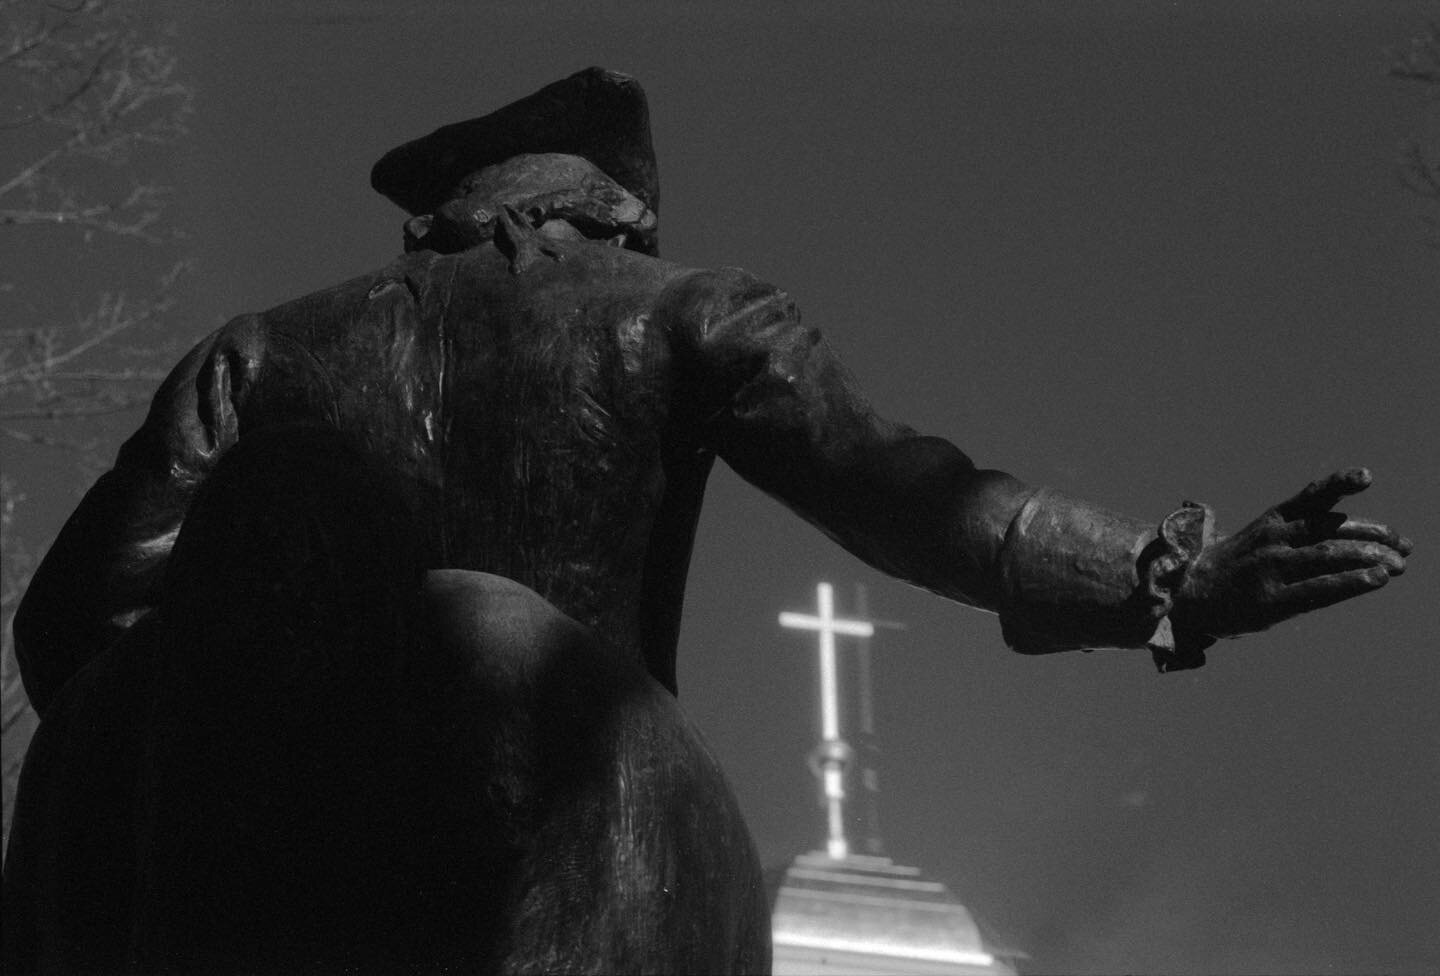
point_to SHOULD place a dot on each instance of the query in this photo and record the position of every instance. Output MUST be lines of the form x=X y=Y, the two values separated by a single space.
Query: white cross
x=828 y=625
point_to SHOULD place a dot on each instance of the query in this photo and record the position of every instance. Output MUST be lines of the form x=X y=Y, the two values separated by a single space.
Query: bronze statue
x=363 y=655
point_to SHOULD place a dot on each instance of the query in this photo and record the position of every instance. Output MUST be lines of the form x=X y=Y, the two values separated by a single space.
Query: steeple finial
x=833 y=753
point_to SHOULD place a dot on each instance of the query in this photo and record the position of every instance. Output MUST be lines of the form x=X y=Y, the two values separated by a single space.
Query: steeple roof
x=868 y=914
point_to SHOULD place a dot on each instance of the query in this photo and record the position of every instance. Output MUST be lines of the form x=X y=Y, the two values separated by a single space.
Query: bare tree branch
x=27 y=176
x=17 y=719
x=110 y=376
x=141 y=211
x=110 y=91
x=1419 y=171
x=96 y=86
x=112 y=318
x=46 y=440
x=27 y=36
x=112 y=403
x=16 y=217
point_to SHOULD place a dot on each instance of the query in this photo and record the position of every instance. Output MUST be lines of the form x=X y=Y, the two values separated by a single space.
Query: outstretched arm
x=772 y=399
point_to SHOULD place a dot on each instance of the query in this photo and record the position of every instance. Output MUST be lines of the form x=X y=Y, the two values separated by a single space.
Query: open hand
x=1298 y=556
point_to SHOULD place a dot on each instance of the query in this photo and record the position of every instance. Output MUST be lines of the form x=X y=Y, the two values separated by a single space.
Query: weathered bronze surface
x=397 y=569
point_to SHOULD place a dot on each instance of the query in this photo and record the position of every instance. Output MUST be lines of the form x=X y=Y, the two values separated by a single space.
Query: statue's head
x=575 y=155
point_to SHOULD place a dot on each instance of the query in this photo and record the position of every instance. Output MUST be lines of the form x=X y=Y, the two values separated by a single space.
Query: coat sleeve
x=770 y=397
x=104 y=570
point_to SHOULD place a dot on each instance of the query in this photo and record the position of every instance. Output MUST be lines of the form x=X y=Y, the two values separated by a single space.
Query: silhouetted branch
x=107 y=91
x=47 y=440
x=87 y=85
x=110 y=403
x=44 y=351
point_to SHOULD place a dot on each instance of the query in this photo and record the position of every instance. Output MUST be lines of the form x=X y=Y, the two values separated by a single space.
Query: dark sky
x=1139 y=251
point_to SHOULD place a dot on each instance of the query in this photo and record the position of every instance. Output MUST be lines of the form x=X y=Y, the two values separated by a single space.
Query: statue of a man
x=364 y=652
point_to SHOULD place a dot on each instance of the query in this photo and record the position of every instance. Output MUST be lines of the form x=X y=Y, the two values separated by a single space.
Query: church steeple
x=850 y=909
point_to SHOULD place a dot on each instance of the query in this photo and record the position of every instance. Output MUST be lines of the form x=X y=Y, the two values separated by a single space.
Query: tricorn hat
x=597 y=114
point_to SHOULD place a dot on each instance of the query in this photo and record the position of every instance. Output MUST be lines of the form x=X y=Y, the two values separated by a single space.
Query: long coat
x=540 y=418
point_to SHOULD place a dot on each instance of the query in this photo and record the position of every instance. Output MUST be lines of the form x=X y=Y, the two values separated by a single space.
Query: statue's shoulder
x=708 y=303
x=340 y=298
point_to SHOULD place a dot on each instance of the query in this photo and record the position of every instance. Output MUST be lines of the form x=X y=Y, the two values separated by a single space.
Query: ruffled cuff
x=1075 y=577
x=1183 y=534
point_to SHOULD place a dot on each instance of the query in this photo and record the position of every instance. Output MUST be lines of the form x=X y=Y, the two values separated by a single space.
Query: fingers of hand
x=1371 y=531
x=1322 y=591
x=1321 y=526
x=1337 y=556
x=1322 y=495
